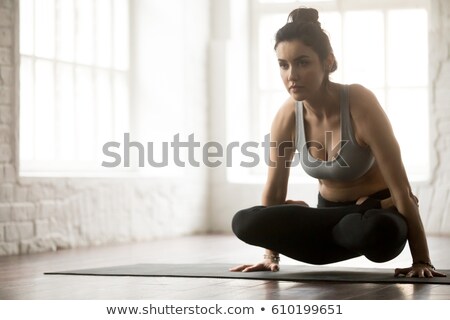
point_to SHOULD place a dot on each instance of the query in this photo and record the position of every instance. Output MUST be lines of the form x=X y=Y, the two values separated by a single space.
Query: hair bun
x=304 y=15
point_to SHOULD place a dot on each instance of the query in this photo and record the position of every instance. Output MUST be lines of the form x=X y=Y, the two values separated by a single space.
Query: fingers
x=438 y=274
x=246 y=268
x=407 y=272
x=428 y=273
x=400 y=271
x=262 y=267
x=416 y=273
x=239 y=268
x=420 y=273
x=361 y=200
x=255 y=267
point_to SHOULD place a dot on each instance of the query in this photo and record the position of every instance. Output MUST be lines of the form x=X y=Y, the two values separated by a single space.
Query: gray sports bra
x=352 y=161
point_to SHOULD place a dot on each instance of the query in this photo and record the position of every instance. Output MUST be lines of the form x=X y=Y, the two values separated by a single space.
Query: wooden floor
x=21 y=277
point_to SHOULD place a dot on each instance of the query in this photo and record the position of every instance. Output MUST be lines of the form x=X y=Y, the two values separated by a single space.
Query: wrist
x=369 y=203
x=274 y=258
x=386 y=203
x=423 y=263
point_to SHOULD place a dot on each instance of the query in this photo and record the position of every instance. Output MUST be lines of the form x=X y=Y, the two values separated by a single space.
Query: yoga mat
x=287 y=273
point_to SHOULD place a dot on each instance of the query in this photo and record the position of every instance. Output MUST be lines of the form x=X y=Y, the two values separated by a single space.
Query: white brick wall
x=435 y=196
x=49 y=214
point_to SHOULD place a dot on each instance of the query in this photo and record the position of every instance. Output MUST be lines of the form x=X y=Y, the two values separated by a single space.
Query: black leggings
x=332 y=232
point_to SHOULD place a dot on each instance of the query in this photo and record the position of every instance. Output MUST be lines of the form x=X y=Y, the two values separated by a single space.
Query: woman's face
x=301 y=70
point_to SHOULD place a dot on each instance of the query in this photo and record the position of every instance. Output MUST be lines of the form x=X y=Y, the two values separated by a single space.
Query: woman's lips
x=296 y=88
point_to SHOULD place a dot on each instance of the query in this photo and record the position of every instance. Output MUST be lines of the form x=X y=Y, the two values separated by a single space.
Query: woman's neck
x=325 y=103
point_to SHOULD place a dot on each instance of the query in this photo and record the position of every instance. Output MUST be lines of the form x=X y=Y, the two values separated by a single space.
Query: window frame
x=77 y=167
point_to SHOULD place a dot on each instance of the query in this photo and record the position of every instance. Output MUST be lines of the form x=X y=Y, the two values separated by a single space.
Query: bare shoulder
x=364 y=105
x=286 y=112
x=283 y=125
x=363 y=101
x=367 y=114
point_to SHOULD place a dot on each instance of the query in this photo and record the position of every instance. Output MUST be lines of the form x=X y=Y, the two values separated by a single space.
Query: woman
x=345 y=140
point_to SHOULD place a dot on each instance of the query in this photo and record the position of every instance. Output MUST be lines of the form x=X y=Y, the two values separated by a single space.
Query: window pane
x=121 y=38
x=27 y=27
x=105 y=109
x=85 y=32
x=408 y=48
x=412 y=135
x=26 y=109
x=85 y=113
x=45 y=28
x=121 y=105
x=66 y=30
x=67 y=83
x=45 y=111
x=364 y=47
x=65 y=98
x=104 y=33
x=269 y=77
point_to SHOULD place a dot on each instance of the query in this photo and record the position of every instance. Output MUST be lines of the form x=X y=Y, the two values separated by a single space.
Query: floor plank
x=21 y=277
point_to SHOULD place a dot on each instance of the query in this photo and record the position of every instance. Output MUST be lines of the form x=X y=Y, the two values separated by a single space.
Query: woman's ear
x=330 y=63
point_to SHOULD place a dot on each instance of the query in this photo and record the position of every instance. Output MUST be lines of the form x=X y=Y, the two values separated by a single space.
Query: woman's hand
x=419 y=271
x=266 y=265
x=385 y=203
x=388 y=202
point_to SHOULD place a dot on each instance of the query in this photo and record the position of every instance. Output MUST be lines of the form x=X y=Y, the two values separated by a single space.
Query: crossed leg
x=323 y=235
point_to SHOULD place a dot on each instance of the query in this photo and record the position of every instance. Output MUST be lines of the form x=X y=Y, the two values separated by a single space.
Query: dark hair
x=303 y=24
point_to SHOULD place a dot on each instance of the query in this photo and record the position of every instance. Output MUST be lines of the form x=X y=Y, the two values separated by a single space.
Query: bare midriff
x=368 y=184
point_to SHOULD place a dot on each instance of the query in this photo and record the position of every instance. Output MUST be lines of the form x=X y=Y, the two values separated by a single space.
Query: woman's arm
x=375 y=130
x=282 y=150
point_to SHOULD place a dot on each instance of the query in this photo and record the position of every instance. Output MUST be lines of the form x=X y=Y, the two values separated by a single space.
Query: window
x=73 y=83
x=382 y=45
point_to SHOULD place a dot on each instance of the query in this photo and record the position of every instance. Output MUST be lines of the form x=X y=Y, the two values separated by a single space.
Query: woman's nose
x=292 y=74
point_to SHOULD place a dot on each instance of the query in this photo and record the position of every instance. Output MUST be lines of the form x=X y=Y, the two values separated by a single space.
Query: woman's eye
x=303 y=63
x=283 y=66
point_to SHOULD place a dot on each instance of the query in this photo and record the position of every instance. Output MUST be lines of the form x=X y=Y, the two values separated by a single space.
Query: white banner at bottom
x=223 y=309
